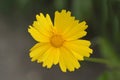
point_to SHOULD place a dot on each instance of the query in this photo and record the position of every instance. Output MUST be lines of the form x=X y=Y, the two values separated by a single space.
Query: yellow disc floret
x=56 y=41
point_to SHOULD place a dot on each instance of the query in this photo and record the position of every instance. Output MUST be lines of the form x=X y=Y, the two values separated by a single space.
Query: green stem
x=103 y=61
x=97 y=60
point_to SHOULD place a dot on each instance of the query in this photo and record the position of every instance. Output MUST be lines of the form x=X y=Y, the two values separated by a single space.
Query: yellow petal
x=48 y=61
x=37 y=35
x=81 y=42
x=75 y=36
x=49 y=20
x=77 y=55
x=36 y=46
x=40 y=28
x=43 y=24
x=52 y=58
x=44 y=56
x=62 y=64
x=56 y=55
x=76 y=31
x=69 y=60
x=63 y=20
x=77 y=27
x=36 y=52
x=68 y=26
x=78 y=47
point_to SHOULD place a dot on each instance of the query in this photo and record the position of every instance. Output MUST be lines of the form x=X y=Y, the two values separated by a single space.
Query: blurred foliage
x=109 y=53
x=110 y=75
x=103 y=17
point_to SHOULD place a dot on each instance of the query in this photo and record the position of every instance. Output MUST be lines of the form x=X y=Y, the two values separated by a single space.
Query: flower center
x=56 y=41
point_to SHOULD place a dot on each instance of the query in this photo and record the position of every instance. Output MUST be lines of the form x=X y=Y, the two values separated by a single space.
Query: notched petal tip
x=43 y=64
x=72 y=70
x=46 y=65
x=31 y=55
x=37 y=17
x=85 y=42
x=63 y=11
x=56 y=13
x=29 y=29
x=83 y=22
x=49 y=66
x=41 y=14
x=86 y=26
x=68 y=12
x=78 y=67
x=47 y=15
x=64 y=71
x=84 y=33
x=91 y=51
x=39 y=61
x=33 y=59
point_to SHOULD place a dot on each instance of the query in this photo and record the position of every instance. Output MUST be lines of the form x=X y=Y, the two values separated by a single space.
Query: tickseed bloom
x=59 y=42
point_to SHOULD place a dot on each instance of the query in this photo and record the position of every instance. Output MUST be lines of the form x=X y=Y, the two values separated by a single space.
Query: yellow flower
x=59 y=43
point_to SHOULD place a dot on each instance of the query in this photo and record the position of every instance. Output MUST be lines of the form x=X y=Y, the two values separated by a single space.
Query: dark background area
x=102 y=16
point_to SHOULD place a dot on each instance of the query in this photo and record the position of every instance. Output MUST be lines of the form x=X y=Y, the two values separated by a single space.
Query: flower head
x=59 y=43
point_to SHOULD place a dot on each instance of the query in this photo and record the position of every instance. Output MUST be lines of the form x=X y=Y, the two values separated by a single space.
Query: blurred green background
x=102 y=16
